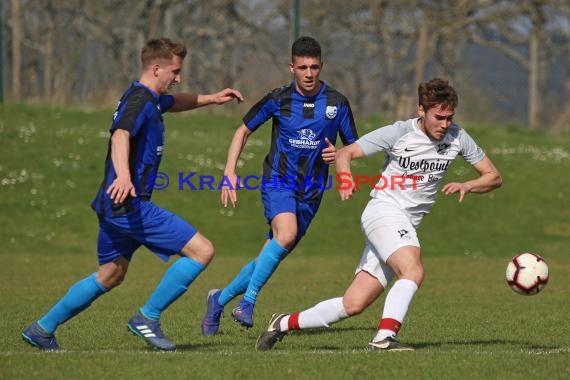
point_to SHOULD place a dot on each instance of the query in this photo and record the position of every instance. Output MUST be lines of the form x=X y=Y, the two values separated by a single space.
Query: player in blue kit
x=127 y=216
x=307 y=115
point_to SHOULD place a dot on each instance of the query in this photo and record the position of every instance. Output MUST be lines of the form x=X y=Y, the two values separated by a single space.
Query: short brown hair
x=437 y=91
x=161 y=48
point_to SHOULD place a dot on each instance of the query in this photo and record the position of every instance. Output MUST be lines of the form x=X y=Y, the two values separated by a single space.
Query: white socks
x=322 y=314
x=331 y=311
x=395 y=308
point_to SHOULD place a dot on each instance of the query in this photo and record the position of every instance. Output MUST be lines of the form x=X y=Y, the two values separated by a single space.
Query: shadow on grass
x=334 y=330
x=226 y=339
x=422 y=345
x=485 y=342
x=208 y=346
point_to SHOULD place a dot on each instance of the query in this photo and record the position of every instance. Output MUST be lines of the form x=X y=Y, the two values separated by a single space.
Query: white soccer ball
x=527 y=273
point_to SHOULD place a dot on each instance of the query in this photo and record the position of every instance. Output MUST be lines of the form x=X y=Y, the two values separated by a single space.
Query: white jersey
x=415 y=164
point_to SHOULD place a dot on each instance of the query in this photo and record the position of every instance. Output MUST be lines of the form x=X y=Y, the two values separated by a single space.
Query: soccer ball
x=527 y=273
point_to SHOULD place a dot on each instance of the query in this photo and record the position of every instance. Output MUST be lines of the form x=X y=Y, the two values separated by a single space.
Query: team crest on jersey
x=330 y=112
x=306 y=134
x=442 y=148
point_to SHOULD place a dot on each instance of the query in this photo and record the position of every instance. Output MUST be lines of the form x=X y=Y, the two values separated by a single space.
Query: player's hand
x=120 y=189
x=227 y=95
x=347 y=194
x=347 y=191
x=456 y=187
x=329 y=152
x=229 y=192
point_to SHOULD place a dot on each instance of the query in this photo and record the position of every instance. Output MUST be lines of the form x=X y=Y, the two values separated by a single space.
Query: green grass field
x=465 y=322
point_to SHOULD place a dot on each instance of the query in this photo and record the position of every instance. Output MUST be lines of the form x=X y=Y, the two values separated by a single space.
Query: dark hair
x=437 y=91
x=161 y=48
x=306 y=47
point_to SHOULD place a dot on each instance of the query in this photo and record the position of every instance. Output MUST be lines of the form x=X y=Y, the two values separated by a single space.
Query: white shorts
x=386 y=229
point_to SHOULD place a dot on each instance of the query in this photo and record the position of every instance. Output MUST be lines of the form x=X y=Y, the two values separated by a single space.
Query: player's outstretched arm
x=342 y=166
x=234 y=152
x=489 y=179
x=185 y=101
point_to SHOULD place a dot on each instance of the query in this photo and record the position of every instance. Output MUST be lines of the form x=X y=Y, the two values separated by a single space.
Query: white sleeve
x=381 y=139
x=469 y=149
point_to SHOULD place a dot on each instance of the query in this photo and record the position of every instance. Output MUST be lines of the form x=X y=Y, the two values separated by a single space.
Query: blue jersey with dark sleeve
x=140 y=113
x=300 y=125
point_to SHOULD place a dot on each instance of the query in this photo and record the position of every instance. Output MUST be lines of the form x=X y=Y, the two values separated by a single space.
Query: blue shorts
x=161 y=231
x=277 y=201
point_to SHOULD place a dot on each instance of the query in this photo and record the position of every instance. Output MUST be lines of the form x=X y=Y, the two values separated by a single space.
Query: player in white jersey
x=418 y=153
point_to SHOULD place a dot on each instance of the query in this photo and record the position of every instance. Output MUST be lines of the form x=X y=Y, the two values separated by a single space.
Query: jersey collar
x=139 y=84
x=312 y=97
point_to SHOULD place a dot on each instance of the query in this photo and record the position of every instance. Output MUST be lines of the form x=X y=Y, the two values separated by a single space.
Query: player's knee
x=353 y=307
x=208 y=251
x=419 y=276
x=286 y=238
x=416 y=274
x=200 y=249
x=111 y=280
x=205 y=252
x=421 y=279
x=116 y=281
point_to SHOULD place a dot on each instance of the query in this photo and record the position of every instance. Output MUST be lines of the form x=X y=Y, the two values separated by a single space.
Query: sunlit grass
x=465 y=321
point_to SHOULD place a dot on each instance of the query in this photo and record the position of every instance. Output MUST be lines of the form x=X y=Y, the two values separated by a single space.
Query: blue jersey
x=140 y=113
x=300 y=125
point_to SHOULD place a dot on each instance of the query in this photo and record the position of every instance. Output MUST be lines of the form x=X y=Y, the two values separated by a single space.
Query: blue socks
x=77 y=299
x=173 y=284
x=238 y=285
x=254 y=274
x=267 y=262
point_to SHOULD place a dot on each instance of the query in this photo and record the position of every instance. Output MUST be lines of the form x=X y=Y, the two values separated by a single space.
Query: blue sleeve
x=131 y=114
x=166 y=102
x=260 y=113
x=348 y=133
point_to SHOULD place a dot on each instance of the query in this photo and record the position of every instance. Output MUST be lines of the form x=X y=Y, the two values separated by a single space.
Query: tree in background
x=80 y=51
x=522 y=30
